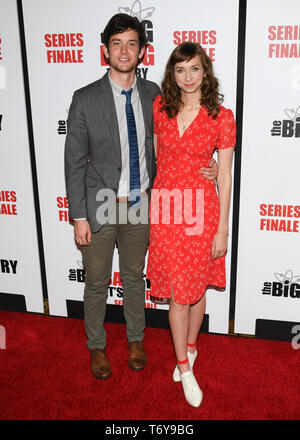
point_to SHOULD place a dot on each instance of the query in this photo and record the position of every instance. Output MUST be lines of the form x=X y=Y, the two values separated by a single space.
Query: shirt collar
x=117 y=90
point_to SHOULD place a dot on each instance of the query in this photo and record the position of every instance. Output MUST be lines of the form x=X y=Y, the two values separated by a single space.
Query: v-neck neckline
x=178 y=131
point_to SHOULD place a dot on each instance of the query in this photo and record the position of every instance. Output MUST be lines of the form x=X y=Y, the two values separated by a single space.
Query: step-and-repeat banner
x=20 y=277
x=65 y=53
x=268 y=277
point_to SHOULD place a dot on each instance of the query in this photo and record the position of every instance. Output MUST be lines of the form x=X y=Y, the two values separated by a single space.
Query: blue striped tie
x=134 y=161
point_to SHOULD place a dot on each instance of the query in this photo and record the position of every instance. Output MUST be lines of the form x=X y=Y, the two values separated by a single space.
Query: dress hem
x=166 y=299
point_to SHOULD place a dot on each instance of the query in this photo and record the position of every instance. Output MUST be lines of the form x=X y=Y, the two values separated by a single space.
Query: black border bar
x=32 y=151
x=238 y=153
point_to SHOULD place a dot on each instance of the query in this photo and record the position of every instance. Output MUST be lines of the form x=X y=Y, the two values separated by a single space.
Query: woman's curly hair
x=171 y=93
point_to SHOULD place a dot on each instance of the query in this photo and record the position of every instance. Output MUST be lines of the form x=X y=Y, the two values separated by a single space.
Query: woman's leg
x=179 y=319
x=179 y=325
x=196 y=314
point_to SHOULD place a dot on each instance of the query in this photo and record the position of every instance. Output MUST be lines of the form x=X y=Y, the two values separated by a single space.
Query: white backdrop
x=19 y=258
x=53 y=83
x=268 y=276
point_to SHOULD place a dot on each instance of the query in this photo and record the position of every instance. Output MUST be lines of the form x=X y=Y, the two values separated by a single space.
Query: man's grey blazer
x=93 y=150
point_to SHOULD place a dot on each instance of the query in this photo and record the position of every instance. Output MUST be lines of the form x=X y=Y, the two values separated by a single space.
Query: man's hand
x=210 y=173
x=82 y=232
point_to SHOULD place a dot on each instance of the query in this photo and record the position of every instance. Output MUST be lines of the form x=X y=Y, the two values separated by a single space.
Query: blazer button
x=119 y=169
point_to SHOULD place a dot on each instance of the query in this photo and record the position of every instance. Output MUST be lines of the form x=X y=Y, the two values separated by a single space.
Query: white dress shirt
x=120 y=102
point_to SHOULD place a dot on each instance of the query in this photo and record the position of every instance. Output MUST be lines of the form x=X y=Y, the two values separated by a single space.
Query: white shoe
x=191 y=358
x=191 y=389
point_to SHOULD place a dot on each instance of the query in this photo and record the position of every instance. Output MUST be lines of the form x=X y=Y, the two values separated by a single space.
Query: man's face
x=124 y=52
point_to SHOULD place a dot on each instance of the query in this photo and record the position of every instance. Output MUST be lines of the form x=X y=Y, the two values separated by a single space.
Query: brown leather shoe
x=100 y=367
x=137 y=357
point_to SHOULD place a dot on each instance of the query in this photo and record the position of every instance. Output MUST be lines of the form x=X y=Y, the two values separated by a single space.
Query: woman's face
x=189 y=75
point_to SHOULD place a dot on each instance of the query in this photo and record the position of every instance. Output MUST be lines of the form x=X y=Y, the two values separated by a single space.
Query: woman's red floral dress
x=182 y=226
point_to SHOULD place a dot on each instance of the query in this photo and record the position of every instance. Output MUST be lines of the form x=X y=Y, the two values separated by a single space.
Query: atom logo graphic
x=292 y=114
x=137 y=11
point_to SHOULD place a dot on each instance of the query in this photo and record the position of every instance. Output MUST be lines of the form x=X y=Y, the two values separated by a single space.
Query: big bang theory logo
x=288 y=127
x=143 y=16
x=286 y=285
x=115 y=287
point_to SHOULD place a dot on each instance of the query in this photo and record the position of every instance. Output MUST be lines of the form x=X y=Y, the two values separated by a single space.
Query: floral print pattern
x=177 y=257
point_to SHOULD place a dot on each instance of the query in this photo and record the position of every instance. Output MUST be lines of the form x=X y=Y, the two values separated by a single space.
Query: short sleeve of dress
x=156 y=114
x=227 y=136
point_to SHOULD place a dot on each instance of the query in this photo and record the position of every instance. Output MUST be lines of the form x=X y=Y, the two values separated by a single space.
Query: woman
x=189 y=124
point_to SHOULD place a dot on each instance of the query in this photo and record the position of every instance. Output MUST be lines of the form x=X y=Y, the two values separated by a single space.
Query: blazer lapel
x=107 y=102
x=146 y=106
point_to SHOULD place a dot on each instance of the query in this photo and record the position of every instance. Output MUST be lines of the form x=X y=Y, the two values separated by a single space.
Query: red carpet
x=44 y=374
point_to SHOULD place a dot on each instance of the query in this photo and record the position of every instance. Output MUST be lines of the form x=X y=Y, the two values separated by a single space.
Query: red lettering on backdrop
x=63 y=212
x=279 y=210
x=63 y=215
x=62 y=202
x=7 y=209
x=284 y=33
x=117 y=279
x=205 y=37
x=65 y=56
x=64 y=41
x=8 y=205
x=8 y=196
x=201 y=37
x=148 y=59
x=102 y=57
x=279 y=224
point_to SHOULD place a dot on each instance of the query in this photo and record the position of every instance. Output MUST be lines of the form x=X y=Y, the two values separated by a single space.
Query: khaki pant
x=132 y=241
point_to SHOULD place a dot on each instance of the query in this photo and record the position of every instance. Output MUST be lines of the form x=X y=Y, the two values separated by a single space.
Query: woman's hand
x=219 y=245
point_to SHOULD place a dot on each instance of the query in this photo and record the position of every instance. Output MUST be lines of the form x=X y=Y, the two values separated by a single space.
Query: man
x=109 y=145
